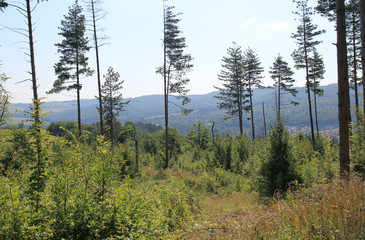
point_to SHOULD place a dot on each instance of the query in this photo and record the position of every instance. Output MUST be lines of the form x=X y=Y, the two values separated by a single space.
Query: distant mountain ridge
x=150 y=109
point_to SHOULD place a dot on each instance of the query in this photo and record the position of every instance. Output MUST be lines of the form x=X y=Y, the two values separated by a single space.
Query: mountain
x=149 y=109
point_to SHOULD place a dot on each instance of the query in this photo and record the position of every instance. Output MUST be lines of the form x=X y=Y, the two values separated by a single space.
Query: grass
x=324 y=211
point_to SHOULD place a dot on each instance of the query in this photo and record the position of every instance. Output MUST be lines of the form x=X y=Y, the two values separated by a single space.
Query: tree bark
x=343 y=91
x=362 y=16
x=166 y=95
x=78 y=97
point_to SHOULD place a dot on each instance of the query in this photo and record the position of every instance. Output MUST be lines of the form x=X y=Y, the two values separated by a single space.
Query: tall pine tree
x=283 y=81
x=343 y=91
x=252 y=77
x=233 y=94
x=175 y=67
x=316 y=73
x=354 y=47
x=73 y=62
x=304 y=37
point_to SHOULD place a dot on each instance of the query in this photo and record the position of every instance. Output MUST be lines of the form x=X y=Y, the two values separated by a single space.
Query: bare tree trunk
x=279 y=98
x=264 y=117
x=355 y=67
x=240 y=119
x=240 y=112
x=343 y=91
x=276 y=103
x=98 y=70
x=251 y=106
x=308 y=83
x=78 y=97
x=213 y=136
x=166 y=95
x=111 y=114
x=315 y=112
x=362 y=16
x=166 y=125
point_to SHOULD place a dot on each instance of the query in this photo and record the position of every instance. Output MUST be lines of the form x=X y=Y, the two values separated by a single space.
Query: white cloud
x=277 y=26
x=249 y=22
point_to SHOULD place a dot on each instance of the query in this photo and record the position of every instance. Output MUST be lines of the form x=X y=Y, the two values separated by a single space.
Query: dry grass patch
x=324 y=211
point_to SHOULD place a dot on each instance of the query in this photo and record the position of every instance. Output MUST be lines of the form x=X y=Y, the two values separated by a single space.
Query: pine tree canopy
x=233 y=94
x=178 y=63
x=73 y=47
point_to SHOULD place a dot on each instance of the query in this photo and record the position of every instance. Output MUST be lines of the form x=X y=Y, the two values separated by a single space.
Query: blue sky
x=134 y=46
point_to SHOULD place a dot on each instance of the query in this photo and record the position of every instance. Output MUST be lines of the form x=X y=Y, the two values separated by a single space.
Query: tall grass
x=323 y=211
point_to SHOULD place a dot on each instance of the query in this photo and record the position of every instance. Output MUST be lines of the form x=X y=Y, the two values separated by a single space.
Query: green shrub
x=279 y=170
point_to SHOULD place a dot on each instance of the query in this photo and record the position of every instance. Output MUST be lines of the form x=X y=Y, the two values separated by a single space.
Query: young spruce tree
x=73 y=62
x=176 y=65
x=278 y=171
x=232 y=96
x=112 y=101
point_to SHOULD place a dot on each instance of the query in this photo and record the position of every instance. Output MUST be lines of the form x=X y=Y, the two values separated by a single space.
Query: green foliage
x=200 y=136
x=4 y=100
x=91 y=190
x=223 y=153
x=357 y=150
x=60 y=129
x=16 y=148
x=278 y=172
x=127 y=132
x=112 y=101
x=175 y=142
x=327 y=9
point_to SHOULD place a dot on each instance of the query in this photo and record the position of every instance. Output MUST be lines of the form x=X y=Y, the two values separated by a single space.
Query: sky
x=134 y=46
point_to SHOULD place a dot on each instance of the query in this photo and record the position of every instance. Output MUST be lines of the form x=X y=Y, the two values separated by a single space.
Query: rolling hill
x=150 y=109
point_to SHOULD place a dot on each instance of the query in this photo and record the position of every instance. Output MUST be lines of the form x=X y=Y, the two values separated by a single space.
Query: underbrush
x=132 y=209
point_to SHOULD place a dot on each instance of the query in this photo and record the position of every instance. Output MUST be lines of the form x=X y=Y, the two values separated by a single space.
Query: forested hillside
x=147 y=109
